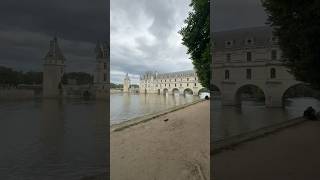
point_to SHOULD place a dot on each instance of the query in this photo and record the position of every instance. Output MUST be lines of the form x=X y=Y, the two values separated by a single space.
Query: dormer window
x=249 y=41
x=229 y=43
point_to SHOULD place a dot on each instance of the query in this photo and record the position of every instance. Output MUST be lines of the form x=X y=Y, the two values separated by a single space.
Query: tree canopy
x=196 y=36
x=297 y=25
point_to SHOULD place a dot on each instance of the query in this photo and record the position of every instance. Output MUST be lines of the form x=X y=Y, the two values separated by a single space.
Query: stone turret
x=53 y=70
x=126 y=84
x=101 y=70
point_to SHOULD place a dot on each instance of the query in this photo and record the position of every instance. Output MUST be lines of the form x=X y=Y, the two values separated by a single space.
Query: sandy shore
x=292 y=153
x=176 y=149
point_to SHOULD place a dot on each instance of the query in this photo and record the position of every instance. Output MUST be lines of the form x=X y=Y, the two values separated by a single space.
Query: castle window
x=249 y=73
x=180 y=85
x=175 y=85
x=228 y=57
x=105 y=65
x=274 y=55
x=187 y=84
x=187 y=79
x=226 y=74
x=175 y=80
x=169 y=85
x=195 y=84
x=104 y=77
x=273 y=73
x=249 y=56
x=249 y=41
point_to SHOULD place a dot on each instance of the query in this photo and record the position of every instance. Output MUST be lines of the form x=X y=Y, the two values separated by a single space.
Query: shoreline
x=232 y=141
x=145 y=118
x=174 y=144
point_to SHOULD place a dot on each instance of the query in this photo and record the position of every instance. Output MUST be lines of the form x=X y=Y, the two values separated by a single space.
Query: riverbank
x=291 y=153
x=173 y=145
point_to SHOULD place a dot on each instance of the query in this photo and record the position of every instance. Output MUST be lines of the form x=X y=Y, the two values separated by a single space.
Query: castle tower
x=53 y=70
x=126 y=83
x=100 y=74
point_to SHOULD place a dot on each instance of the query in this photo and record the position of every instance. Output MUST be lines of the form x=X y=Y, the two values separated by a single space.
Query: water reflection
x=127 y=106
x=53 y=139
x=231 y=120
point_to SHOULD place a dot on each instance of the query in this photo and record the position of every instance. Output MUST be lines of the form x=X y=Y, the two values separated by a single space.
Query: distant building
x=249 y=57
x=175 y=82
x=53 y=70
x=101 y=70
x=126 y=84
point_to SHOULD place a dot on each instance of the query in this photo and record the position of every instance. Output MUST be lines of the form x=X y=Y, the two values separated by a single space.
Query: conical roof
x=54 y=51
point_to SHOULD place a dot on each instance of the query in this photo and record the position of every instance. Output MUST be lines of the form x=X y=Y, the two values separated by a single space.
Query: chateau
x=182 y=82
x=54 y=69
x=249 y=57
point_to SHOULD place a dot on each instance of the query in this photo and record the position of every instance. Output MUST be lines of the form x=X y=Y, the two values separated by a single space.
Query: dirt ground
x=176 y=149
x=289 y=154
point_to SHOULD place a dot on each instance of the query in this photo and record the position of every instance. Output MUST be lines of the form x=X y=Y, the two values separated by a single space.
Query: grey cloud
x=232 y=14
x=150 y=28
x=27 y=26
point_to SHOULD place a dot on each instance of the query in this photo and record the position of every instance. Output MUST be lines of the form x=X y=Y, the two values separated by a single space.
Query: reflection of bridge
x=249 y=58
x=184 y=82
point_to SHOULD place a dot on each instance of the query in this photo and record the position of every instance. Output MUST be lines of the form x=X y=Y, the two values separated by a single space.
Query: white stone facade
x=101 y=69
x=176 y=82
x=53 y=71
x=249 y=57
x=126 y=84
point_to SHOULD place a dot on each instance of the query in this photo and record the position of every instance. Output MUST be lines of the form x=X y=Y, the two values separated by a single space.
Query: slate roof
x=54 y=51
x=260 y=36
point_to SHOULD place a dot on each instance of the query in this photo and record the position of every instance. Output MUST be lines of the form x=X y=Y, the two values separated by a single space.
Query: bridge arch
x=188 y=91
x=203 y=90
x=298 y=89
x=165 y=91
x=175 y=91
x=249 y=91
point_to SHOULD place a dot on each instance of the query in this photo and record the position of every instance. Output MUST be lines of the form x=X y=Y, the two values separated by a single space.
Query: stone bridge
x=249 y=58
x=183 y=82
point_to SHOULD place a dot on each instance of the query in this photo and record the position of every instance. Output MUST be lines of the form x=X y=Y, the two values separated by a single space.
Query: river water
x=128 y=106
x=231 y=120
x=52 y=139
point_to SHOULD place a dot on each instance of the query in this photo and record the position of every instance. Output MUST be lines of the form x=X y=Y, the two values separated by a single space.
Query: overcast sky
x=144 y=34
x=27 y=26
x=233 y=14
x=144 y=37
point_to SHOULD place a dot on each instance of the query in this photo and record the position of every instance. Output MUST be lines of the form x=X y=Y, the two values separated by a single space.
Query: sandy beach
x=175 y=146
x=292 y=153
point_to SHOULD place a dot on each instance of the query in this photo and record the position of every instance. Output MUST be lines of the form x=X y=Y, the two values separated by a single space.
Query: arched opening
x=250 y=95
x=188 y=92
x=175 y=92
x=226 y=74
x=165 y=91
x=300 y=96
x=204 y=92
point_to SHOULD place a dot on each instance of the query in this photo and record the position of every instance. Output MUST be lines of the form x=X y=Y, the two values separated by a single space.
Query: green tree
x=297 y=25
x=196 y=36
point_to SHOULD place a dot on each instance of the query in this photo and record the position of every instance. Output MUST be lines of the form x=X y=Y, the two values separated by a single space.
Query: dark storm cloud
x=27 y=26
x=233 y=14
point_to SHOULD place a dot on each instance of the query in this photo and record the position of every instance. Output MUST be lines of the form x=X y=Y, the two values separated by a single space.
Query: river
x=52 y=139
x=231 y=120
x=128 y=106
